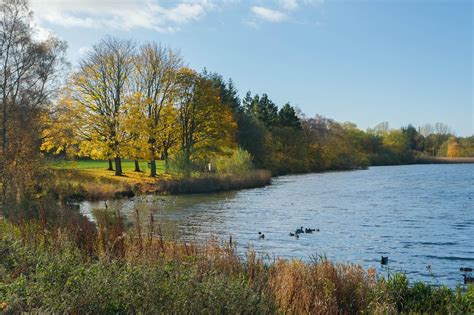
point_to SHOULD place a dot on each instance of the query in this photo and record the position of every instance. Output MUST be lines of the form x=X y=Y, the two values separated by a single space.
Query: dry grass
x=321 y=287
x=284 y=286
x=97 y=184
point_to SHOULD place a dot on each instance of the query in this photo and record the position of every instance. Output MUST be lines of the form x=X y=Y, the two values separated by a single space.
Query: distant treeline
x=140 y=102
x=285 y=141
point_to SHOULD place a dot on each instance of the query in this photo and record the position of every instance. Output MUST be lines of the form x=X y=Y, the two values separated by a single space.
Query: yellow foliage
x=453 y=148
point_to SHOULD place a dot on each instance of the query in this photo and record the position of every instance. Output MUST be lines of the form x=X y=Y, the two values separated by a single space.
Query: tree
x=155 y=80
x=454 y=149
x=168 y=134
x=426 y=130
x=247 y=103
x=381 y=128
x=204 y=124
x=266 y=111
x=64 y=129
x=100 y=87
x=29 y=74
x=287 y=117
x=411 y=135
x=227 y=91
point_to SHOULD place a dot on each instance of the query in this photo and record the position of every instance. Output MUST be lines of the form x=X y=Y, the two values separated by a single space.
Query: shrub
x=234 y=161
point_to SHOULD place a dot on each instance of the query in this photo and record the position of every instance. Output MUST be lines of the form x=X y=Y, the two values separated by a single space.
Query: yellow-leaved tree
x=205 y=124
x=63 y=132
x=100 y=90
x=454 y=148
x=155 y=84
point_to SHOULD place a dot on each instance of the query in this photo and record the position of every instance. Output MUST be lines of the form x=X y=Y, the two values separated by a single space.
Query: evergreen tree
x=287 y=117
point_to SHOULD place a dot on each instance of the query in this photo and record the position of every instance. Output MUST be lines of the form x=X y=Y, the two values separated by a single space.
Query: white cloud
x=84 y=50
x=289 y=4
x=286 y=10
x=268 y=15
x=40 y=33
x=120 y=15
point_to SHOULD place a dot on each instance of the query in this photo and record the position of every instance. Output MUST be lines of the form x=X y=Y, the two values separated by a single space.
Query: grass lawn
x=93 y=175
x=127 y=166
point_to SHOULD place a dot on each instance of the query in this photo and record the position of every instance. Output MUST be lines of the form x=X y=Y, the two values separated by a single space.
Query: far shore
x=95 y=184
x=446 y=160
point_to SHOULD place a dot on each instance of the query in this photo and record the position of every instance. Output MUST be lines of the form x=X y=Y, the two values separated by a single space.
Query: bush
x=234 y=161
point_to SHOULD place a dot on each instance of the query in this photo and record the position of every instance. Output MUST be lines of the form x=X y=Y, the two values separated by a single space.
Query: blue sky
x=359 y=61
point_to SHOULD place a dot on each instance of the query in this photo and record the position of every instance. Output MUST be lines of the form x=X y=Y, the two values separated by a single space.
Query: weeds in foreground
x=75 y=267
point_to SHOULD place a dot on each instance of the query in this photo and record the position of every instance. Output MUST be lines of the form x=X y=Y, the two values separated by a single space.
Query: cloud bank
x=120 y=15
x=282 y=10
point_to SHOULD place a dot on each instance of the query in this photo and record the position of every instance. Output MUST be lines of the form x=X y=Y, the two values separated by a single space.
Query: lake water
x=418 y=215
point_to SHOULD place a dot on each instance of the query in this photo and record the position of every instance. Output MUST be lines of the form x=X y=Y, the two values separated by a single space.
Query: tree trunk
x=137 y=166
x=165 y=158
x=118 y=166
x=111 y=167
x=187 y=164
x=152 y=168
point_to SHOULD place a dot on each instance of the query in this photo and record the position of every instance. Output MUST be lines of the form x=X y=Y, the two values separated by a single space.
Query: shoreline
x=96 y=188
x=81 y=186
x=445 y=160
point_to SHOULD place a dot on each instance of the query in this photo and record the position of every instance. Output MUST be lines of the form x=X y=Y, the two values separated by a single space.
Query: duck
x=465 y=269
x=309 y=231
x=261 y=235
x=292 y=234
x=468 y=279
x=384 y=260
x=299 y=231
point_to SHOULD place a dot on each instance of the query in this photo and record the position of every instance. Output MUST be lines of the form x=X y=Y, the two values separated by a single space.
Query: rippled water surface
x=418 y=215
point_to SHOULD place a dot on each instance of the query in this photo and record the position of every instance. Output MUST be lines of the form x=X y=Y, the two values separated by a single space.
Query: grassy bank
x=92 y=181
x=73 y=267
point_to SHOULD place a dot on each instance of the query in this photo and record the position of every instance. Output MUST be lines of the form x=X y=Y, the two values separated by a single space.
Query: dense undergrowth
x=69 y=265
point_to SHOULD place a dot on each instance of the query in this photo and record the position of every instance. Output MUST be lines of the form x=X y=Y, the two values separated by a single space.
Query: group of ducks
x=301 y=231
x=296 y=234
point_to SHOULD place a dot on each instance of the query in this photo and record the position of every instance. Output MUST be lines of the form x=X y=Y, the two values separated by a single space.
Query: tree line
x=141 y=102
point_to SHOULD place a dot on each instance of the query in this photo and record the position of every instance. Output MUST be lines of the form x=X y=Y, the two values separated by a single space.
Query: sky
x=401 y=61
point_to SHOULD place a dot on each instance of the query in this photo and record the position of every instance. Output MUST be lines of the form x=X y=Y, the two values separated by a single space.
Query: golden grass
x=99 y=184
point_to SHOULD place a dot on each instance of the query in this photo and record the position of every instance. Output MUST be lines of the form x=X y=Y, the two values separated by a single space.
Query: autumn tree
x=64 y=128
x=204 y=124
x=168 y=133
x=454 y=148
x=100 y=87
x=155 y=82
x=30 y=71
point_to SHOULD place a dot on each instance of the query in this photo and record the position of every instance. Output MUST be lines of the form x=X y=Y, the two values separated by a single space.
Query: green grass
x=127 y=165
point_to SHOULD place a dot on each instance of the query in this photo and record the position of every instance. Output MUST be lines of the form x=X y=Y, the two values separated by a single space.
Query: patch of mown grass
x=127 y=165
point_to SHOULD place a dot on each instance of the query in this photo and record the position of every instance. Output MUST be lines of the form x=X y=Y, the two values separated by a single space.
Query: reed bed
x=92 y=185
x=69 y=265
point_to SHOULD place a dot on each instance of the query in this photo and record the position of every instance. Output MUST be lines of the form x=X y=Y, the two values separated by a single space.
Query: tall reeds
x=77 y=267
